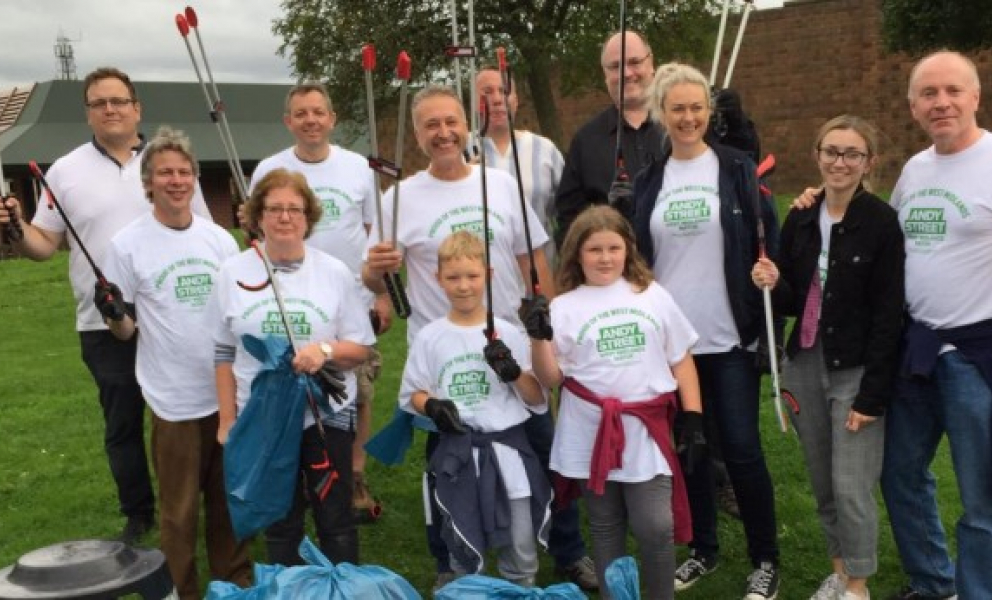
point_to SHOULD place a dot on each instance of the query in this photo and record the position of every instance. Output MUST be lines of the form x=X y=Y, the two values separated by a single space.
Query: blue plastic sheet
x=481 y=587
x=262 y=454
x=623 y=580
x=320 y=580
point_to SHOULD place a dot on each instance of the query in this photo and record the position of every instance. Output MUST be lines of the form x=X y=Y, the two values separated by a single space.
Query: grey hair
x=167 y=139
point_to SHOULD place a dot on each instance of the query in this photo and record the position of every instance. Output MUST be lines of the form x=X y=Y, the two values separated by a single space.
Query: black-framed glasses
x=851 y=158
x=112 y=102
x=278 y=211
x=632 y=63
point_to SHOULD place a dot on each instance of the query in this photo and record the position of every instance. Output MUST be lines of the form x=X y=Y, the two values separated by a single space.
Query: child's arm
x=688 y=382
x=444 y=413
x=545 y=363
x=530 y=389
x=418 y=399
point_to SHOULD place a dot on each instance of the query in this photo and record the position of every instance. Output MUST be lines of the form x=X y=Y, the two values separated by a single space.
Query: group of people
x=648 y=319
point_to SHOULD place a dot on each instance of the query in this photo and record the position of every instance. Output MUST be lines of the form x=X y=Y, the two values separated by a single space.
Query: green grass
x=55 y=485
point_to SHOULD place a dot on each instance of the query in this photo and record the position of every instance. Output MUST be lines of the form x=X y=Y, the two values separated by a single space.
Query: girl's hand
x=856 y=420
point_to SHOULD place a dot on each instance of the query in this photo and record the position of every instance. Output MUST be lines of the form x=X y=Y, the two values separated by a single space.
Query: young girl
x=620 y=348
x=840 y=272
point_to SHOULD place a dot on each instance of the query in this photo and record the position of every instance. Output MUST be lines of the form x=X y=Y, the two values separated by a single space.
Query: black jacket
x=864 y=296
x=741 y=206
x=591 y=164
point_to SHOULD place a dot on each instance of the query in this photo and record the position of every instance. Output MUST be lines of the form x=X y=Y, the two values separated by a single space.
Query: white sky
x=141 y=38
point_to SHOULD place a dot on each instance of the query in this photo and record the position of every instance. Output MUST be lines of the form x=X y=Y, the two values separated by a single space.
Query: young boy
x=478 y=396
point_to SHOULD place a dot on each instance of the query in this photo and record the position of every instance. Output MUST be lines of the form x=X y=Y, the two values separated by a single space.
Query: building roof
x=53 y=120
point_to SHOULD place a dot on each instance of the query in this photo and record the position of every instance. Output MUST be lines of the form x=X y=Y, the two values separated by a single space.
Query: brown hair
x=307 y=87
x=277 y=179
x=593 y=220
x=859 y=126
x=108 y=73
x=461 y=244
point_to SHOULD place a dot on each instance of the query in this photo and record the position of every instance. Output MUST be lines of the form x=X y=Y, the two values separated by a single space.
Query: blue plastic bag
x=481 y=587
x=321 y=580
x=262 y=454
x=623 y=580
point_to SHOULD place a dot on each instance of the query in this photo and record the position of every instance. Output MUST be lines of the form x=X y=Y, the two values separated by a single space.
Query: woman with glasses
x=697 y=210
x=330 y=325
x=840 y=274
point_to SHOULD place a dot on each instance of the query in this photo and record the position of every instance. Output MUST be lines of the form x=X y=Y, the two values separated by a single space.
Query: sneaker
x=582 y=573
x=135 y=529
x=830 y=589
x=692 y=570
x=908 y=593
x=848 y=595
x=762 y=583
x=443 y=579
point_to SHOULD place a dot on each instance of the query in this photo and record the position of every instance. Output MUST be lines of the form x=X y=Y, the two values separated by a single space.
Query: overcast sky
x=140 y=37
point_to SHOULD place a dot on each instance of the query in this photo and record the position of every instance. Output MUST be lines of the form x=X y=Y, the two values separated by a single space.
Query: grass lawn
x=55 y=484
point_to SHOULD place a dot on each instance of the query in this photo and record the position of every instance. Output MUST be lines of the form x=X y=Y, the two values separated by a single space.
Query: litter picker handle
x=397 y=294
x=12 y=229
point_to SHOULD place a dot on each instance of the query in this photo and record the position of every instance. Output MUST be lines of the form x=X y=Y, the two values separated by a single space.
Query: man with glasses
x=99 y=187
x=590 y=166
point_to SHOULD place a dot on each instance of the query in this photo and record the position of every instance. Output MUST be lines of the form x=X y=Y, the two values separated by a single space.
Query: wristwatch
x=328 y=350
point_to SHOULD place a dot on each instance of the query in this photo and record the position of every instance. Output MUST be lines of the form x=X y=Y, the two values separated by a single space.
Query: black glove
x=444 y=413
x=536 y=317
x=331 y=382
x=621 y=198
x=109 y=300
x=501 y=360
x=692 y=442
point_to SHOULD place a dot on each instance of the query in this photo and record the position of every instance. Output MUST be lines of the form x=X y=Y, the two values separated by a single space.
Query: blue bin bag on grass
x=482 y=587
x=321 y=580
x=623 y=580
x=262 y=454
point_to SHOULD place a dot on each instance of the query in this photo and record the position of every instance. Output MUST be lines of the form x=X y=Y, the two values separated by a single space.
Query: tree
x=542 y=37
x=918 y=26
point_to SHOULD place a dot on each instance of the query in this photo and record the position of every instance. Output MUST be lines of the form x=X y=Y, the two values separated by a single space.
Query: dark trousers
x=730 y=385
x=326 y=483
x=111 y=362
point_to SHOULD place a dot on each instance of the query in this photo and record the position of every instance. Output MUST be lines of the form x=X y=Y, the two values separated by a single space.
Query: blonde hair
x=461 y=244
x=593 y=220
x=668 y=76
x=278 y=179
x=859 y=126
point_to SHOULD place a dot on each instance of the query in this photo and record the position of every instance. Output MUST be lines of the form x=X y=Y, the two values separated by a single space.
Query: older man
x=590 y=166
x=944 y=199
x=99 y=187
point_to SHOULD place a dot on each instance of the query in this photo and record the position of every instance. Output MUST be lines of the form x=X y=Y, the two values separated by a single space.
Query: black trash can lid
x=80 y=569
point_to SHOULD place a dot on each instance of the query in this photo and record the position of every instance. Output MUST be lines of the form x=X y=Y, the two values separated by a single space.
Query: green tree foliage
x=917 y=26
x=324 y=39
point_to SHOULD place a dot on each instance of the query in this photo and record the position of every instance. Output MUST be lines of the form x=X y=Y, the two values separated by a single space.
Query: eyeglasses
x=851 y=158
x=278 y=211
x=113 y=102
x=632 y=63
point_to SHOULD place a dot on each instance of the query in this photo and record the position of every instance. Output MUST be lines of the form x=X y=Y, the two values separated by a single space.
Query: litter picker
x=621 y=194
x=12 y=229
x=507 y=80
x=484 y=126
x=393 y=281
x=456 y=52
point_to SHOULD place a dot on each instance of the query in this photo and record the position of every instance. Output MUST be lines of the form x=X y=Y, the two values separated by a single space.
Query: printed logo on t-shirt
x=924 y=220
x=620 y=342
x=464 y=217
x=333 y=202
x=686 y=209
x=194 y=290
x=471 y=227
x=463 y=380
x=273 y=325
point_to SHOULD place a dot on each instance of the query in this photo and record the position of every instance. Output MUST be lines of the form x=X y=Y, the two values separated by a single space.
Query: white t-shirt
x=430 y=210
x=169 y=275
x=688 y=249
x=99 y=197
x=446 y=361
x=619 y=344
x=945 y=210
x=322 y=302
x=344 y=185
x=541 y=165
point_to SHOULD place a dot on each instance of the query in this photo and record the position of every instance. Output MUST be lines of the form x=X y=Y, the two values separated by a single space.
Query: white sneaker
x=854 y=596
x=831 y=588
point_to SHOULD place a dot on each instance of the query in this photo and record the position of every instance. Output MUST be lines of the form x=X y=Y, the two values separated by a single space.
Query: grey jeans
x=647 y=508
x=844 y=467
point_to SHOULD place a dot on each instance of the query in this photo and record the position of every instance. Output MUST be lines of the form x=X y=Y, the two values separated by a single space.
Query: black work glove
x=331 y=382
x=536 y=317
x=109 y=300
x=621 y=198
x=692 y=447
x=444 y=413
x=501 y=361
